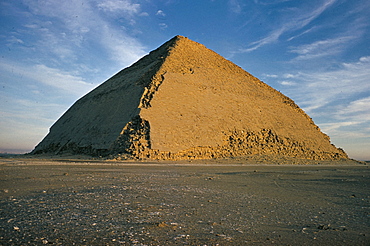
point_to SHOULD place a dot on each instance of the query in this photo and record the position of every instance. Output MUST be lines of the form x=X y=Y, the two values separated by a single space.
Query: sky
x=317 y=52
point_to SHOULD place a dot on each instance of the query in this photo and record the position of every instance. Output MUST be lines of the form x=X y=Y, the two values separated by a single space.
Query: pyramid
x=184 y=101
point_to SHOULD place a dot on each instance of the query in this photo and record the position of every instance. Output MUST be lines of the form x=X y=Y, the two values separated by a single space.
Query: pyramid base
x=134 y=143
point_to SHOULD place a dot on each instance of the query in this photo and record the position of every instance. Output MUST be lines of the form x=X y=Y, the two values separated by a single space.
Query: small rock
x=324 y=227
x=162 y=224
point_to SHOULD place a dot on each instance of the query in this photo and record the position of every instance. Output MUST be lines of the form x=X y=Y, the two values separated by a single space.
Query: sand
x=87 y=202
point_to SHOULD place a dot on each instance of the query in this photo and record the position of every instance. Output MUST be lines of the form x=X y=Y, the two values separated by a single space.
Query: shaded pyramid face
x=184 y=101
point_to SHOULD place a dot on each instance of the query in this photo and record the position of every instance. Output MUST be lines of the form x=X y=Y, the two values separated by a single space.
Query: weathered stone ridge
x=243 y=143
x=184 y=101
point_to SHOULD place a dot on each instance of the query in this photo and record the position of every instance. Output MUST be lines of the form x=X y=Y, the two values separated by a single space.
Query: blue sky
x=317 y=52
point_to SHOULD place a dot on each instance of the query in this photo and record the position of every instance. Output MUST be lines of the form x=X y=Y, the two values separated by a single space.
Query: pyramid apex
x=173 y=42
x=180 y=37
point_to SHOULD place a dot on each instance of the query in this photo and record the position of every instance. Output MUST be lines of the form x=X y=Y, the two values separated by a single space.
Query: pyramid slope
x=184 y=101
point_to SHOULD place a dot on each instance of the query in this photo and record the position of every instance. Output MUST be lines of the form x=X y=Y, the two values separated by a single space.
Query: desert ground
x=76 y=202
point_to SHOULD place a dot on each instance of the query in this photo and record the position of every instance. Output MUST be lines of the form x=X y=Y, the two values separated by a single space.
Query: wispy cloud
x=76 y=24
x=14 y=40
x=305 y=19
x=62 y=80
x=321 y=48
x=75 y=15
x=336 y=90
x=303 y=33
x=120 y=6
x=272 y=37
x=295 y=21
x=338 y=100
x=270 y=2
x=122 y=48
x=344 y=130
x=355 y=108
x=235 y=6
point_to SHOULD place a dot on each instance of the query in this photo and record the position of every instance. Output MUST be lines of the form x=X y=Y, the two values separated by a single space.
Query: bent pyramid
x=184 y=101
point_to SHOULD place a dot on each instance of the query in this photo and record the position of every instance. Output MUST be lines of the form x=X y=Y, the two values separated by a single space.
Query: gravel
x=167 y=205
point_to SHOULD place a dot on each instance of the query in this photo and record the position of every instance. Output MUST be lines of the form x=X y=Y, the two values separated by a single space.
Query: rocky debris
x=134 y=139
x=244 y=143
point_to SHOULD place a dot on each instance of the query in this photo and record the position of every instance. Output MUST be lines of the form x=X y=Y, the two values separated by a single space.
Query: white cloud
x=289 y=76
x=364 y=59
x=32 y=26
x=287 y=83
x=123 y=6
x=143 y=14
x=270 y=75
x=163 y=26
x=160 y=13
